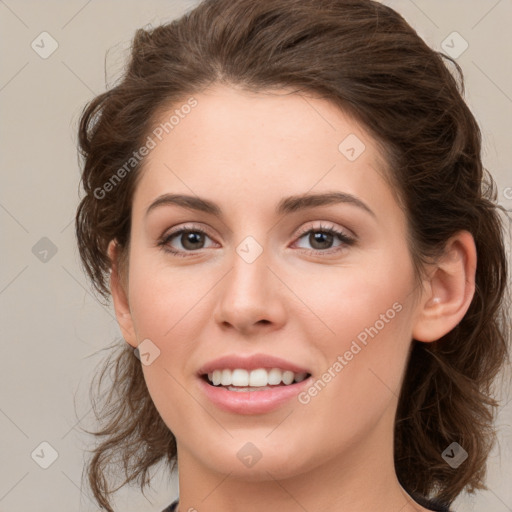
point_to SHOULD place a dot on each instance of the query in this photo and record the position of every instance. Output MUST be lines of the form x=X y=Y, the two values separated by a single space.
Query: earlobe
x=120 y=298
x=451 y=288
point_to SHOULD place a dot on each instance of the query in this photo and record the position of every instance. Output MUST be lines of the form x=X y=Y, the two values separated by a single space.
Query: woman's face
x=261 y=275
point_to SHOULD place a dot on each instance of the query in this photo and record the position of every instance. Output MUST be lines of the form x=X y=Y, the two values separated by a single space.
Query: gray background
x=52 y=326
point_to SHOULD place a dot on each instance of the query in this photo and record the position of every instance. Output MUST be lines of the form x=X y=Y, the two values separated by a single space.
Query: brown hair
x=364 y=57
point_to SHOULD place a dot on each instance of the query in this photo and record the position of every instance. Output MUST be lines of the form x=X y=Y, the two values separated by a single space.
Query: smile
x=237 y=397
x=261 y=378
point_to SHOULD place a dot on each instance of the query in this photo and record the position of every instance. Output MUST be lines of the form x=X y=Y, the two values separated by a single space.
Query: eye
x=191 y=238
x=321 y=239
x=187 y=239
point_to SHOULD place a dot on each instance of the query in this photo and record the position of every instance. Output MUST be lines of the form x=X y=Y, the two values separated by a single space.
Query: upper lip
x=252 y=362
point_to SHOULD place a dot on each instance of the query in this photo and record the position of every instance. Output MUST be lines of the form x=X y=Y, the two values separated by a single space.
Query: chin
x=245 y=462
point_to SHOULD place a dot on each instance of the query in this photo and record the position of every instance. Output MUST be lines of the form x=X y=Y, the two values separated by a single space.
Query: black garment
x=430 y=504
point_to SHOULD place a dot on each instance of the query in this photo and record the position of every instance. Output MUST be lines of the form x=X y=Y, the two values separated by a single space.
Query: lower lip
x=252 y=402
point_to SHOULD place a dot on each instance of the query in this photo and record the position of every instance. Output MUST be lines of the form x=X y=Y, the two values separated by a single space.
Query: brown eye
x=184 y=240
x=192 y=240
x=322 y=239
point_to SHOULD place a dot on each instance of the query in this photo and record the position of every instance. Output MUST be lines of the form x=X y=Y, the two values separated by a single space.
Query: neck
x=357 y=479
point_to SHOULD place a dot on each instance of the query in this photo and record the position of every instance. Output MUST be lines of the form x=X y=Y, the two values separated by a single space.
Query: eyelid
x=346 y=240
x=331 y=226
x=187 y=227
x=345 y=236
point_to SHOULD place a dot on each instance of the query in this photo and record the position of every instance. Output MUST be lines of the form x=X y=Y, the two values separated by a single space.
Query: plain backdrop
x=52 y=326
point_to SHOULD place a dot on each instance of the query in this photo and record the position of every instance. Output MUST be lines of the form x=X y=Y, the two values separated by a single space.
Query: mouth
x=260 y=379
x=252 y=392
x=254 y=384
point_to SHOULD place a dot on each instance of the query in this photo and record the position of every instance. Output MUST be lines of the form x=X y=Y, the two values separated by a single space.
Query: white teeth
x=225 y=379
x=288 y=377
x=274 y=376
x=239 y=378
x=259 y=378
x=216 y=377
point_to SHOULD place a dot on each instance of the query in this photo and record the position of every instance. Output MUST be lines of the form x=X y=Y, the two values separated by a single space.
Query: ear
x=120 y=297
x=449 y=290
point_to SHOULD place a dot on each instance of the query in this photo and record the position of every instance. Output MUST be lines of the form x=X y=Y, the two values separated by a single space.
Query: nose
x=251 y=297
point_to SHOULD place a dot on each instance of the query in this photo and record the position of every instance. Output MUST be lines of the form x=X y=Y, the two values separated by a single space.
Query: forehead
x=247 y=146
x=246 y=122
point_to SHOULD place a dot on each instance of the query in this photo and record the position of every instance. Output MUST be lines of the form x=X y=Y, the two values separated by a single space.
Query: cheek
x=164 y=300
x=360 y=383
x=364 y=302
x=369 y=316
x=167 y=310
x=169 y=307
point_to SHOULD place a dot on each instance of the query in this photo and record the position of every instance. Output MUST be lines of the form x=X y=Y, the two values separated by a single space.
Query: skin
x=245 y=152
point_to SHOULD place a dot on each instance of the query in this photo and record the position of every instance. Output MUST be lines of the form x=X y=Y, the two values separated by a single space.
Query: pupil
x=191 y=238
x=317 y=238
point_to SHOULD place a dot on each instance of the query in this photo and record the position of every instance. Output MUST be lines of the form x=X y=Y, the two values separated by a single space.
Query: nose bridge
x=248 y=280
x=249 y=294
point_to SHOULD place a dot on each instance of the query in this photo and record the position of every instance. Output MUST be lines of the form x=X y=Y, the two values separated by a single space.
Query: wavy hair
x=365 y=58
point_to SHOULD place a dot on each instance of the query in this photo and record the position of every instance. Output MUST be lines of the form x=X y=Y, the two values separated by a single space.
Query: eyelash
x=346 y=240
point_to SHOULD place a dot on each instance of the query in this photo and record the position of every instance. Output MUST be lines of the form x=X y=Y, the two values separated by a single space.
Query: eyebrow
x=286 y=205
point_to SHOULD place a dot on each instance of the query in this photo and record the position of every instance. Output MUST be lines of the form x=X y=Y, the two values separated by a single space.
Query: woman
x=306 y=262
